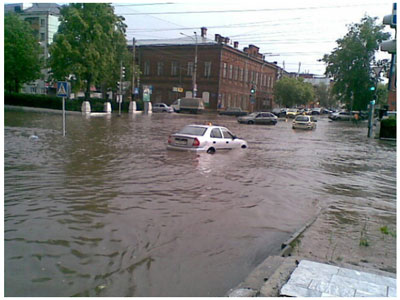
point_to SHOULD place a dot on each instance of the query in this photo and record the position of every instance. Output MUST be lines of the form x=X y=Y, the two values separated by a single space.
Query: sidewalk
x=296 y=277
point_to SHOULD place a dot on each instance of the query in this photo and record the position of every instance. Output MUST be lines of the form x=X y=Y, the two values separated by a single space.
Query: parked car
x=206 y=138
x=304 y=122
x=341 y=116
x=316 y=111
x=162 y=107
x=292 y=112
x=176 y=105
x=259 y=118
x=233 y=111
x=279 y=112
x=191 y=105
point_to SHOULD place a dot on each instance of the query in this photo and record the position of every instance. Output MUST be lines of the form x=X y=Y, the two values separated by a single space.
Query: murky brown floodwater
x=108 y=211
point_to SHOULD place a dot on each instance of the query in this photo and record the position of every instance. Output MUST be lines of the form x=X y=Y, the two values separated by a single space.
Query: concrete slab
x=313 y=279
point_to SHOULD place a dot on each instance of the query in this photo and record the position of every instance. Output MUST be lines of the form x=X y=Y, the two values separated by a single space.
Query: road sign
x=62 y=89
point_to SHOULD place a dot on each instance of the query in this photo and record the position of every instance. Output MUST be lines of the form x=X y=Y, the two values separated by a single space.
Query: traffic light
x=372 y=88
x=252 y=90
x=391 y=20
x=123 y=72
x=118 y=85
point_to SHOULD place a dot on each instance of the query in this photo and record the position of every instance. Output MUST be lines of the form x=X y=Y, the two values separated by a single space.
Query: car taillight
x=169 y=140
x=196 y=142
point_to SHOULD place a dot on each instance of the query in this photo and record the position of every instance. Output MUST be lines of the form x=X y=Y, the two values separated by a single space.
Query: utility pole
x=133 y=67
x=120 y=88
x=195 y=69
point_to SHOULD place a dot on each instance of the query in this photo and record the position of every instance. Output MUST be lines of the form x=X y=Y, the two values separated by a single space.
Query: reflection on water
x=107 y=211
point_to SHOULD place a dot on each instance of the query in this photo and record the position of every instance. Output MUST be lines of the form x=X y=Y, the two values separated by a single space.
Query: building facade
x=224 y=74
x=43 y=18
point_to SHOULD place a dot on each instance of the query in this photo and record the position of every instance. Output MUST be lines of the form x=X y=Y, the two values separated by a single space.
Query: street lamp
x=195 y=63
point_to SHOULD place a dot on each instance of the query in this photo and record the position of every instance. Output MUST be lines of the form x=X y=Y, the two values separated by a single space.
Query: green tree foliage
x=90 y=45
x=323 y=96
x=291 y=91
x=350 y=63
x=22 y=61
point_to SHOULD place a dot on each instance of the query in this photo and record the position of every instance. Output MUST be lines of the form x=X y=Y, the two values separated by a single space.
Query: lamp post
x=195 y=64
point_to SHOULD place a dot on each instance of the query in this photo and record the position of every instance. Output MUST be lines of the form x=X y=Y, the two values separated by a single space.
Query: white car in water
x=304 y=122
x=208 y=138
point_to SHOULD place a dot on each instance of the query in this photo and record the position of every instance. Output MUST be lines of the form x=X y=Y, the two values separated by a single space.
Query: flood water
x=108 y=211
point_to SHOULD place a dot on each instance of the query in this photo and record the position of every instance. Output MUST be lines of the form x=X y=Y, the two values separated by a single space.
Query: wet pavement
x=108 y=211
x=312 y=279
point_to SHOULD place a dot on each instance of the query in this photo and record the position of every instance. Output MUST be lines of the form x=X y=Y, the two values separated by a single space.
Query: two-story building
x=224 y=76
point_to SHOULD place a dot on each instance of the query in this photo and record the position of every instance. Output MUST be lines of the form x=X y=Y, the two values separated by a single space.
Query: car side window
x=259 y=116
x=227 y=134
x=216 y=133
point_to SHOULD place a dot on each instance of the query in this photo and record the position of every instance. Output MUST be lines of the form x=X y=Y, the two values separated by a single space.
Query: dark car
x=279 y=112
x=265 y=118
x=233 y=111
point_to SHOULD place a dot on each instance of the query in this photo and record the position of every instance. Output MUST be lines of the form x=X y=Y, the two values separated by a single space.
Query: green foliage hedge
x=388 y=128
x=53 y=102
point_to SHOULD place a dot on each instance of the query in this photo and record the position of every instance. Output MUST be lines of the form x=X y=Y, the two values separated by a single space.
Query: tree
x=90 y=44
x=323 y=95
x=22 y=61
x=291 y=91
x=350 y=63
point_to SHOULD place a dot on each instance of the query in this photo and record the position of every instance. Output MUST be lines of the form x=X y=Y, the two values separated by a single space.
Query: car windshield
x=193 y=130
x=253 y=115
x=302 y=119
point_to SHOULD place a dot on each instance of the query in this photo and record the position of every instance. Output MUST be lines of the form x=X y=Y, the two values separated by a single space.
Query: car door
x=259 y=119
x=216 y=138
x=228 y=139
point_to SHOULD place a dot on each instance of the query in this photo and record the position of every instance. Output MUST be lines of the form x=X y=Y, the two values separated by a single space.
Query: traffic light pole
x=120 y=89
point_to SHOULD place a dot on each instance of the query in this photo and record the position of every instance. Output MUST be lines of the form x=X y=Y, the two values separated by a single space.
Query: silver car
x=259 y=118
x=206 y=138
x=161 y=107
x=304 y=122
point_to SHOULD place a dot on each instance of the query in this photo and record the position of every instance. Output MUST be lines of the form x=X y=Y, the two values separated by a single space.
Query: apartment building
x=224 y=73
x=43 y=18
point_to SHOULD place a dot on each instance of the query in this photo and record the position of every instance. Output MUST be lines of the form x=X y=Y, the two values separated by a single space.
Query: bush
x=53 y=102
x=388 y=128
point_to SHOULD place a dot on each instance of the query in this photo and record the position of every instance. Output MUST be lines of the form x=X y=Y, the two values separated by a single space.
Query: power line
x=242 y=10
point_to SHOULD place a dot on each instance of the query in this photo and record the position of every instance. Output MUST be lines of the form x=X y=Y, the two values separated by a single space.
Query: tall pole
x=195 y=69
x=63 y=114
x=120 y=88
x=133 y=68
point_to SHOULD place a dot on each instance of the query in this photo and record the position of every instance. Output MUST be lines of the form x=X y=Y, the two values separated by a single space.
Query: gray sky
x=288 y=31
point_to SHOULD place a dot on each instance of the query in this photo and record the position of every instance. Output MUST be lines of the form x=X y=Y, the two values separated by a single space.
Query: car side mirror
x=234 y=137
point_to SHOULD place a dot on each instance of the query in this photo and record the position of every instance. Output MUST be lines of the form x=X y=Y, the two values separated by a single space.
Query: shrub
x=53 y=102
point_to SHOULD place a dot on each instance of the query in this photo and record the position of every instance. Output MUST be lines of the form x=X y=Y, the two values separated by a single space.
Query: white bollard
x=107 y=107
x=132 y=107
x=150 y=108
x=86 y=107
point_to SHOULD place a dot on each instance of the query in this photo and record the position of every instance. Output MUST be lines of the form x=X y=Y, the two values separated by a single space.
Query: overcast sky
x=288 y=31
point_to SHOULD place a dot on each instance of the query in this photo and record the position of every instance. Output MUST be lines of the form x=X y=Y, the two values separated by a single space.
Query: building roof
x=186 y=40
x=52 y=8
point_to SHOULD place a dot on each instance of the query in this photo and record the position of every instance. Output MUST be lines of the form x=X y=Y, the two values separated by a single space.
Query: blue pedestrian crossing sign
x=62 y=89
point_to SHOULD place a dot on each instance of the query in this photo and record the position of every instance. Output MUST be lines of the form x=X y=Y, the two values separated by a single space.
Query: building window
x=240 y=74
x=224 y=70
x=246 y=75
x=42 y=36
x=235 y=73
x=256 y=79
x=230 y=71
x=190 y=67
x=146 y=70
x=42 y=22
x=160 y=68
x=207 y=69
x=272 y=82
x=174 y=68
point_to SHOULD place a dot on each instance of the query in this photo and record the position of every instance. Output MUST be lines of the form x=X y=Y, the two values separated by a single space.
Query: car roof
x=206 y=126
